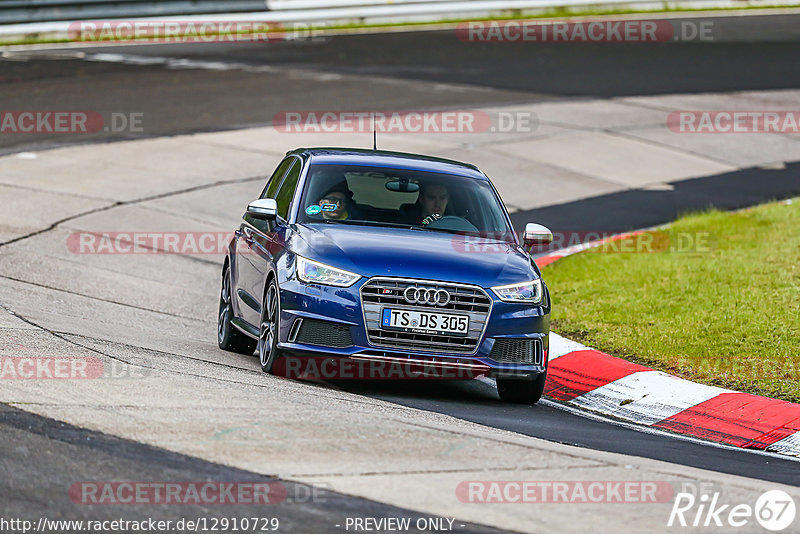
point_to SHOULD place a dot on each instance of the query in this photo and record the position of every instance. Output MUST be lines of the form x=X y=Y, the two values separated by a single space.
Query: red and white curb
x=611 y=386
x=595 y=381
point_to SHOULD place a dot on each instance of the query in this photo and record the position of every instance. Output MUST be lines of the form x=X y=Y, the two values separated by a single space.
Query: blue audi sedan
x=376 y=256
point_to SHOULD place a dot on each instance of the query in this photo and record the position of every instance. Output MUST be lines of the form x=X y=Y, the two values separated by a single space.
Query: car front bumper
x=340 y=310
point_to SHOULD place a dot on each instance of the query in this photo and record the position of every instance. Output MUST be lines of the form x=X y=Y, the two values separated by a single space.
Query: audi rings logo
x=426 y=295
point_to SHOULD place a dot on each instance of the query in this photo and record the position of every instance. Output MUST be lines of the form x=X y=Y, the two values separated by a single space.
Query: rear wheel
x=228 y=337
x=521 y=390
x=268 y=351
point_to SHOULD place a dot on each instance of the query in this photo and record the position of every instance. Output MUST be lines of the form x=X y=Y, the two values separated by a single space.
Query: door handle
x=248 y=235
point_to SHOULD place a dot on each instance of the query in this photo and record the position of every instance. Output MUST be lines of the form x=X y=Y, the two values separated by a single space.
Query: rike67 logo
x=774 y=510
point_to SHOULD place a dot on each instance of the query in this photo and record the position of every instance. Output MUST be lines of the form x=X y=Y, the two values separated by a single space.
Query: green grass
x=726 y=314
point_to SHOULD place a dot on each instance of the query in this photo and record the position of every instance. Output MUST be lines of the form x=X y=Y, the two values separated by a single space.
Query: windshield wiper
x=426 y=229
x=418 y=227
x=357 y=222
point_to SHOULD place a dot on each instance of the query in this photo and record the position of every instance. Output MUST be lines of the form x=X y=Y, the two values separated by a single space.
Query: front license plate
x=425 y=322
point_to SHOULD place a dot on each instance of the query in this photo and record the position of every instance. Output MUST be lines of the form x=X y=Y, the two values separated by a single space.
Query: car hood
x=401 y=252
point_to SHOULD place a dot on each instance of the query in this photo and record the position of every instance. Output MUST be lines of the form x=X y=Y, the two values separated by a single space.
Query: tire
x=228 y=338
x=267 y=348
x=521 y=390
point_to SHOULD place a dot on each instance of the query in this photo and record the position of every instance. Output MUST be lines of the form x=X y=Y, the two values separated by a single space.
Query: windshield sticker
x=329 y=207
x=313 y=210
x=431 y=218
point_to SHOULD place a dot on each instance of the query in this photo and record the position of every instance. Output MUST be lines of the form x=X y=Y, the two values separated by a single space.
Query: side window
x=285 y=194
x=275 y=179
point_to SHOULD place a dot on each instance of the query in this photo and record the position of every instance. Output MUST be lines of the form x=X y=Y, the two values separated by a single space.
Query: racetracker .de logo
x=565 y=492
x=322 y=368
x=190 y=31
x=405 y=121
x=136 y=242
x=203 y=493
x=67 y=368
x=75 y=122
x=584 y=31
x=593 y=241
x=739 y=121
x=39 y=368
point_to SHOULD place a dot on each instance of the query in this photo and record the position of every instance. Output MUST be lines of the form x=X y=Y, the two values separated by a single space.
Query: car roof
x=386 y=158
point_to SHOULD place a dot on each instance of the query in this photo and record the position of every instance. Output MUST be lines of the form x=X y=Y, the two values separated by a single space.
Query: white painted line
x=647 y=397
x=559 y=346
x=789 y=445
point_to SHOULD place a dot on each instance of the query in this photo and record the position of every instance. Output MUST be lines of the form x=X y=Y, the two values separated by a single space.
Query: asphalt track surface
x=187 y=100
x=65 y=454
x=385 y=71
x=638 y=208
x=476 y=401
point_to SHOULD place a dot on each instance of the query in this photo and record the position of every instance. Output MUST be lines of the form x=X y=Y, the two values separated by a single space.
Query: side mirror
x=263 y=208
x=536 y=234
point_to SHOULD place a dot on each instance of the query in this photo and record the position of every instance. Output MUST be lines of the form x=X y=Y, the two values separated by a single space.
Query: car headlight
x=314 y=272
x=530 y=292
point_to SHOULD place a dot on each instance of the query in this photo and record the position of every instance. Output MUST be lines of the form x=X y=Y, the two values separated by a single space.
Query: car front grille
x=379 y=293
x=324 y=334
x=517 y=351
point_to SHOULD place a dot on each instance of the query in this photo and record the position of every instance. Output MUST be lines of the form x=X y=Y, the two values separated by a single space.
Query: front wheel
x=268 y=351
x=521 y=390
x=228 y=338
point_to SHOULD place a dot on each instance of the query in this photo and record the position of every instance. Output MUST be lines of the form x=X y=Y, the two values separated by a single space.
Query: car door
x=264 y=240
x=245 y=268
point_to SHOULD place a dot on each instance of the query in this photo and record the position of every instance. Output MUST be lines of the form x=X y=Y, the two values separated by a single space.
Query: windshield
x=378 y=196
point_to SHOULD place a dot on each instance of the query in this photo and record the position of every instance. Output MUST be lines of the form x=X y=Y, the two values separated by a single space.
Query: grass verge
x=715 y=298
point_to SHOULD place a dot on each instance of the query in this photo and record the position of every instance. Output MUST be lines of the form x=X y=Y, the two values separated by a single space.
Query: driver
x=337 y=202
x=431 y=204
